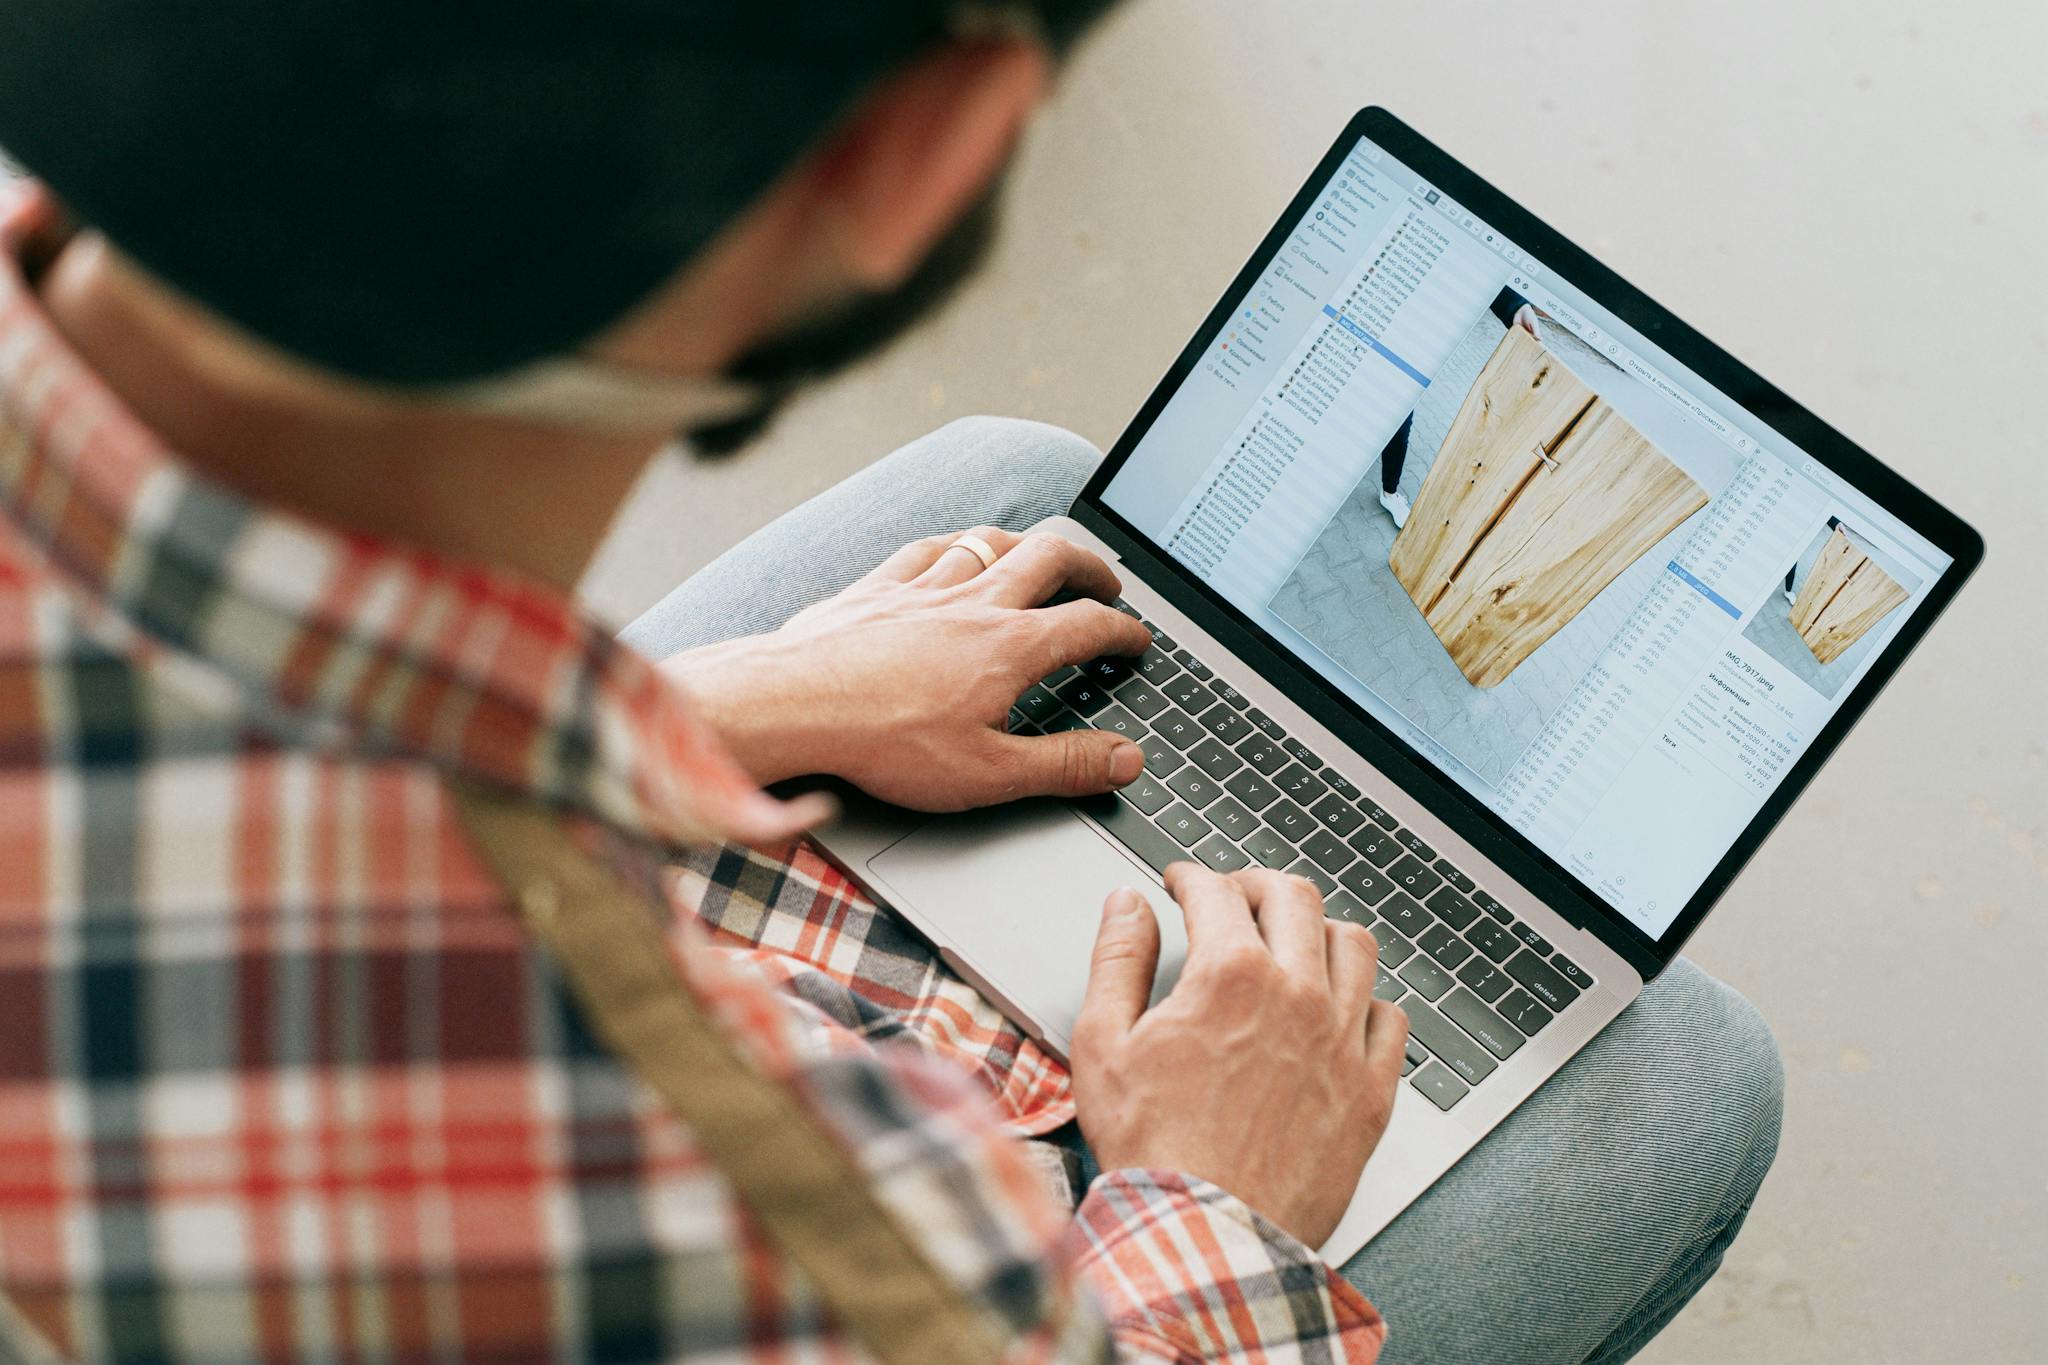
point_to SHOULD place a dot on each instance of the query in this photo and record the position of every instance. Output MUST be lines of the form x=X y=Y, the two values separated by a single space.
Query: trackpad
x=1013 y=897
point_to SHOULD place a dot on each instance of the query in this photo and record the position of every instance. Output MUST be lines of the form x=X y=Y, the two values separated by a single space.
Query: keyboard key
x=1110 y=669
x=1429 y=980
x=1366 y=882
x=1262 y=755
x=1497 y=943
x=1176 y=728
x=1376 y=846
x=1452 y=1045
x=1492 y=907
x=1535 y=976
x=1394 y=950
x=1195 y=787
x=1485 y=980
x=1184 y=825
x=1234 y=699
x=1414 y=1052
x=1161 y=758
x=1161 y=640
x=1530 y=937
x=1379 y=816
x=1327 y=851
x=1305 y=869
x=1142 y=697
x=1189 y=695
x=1571 y=971
x=1301 y=754
x=1341 y=785
x=1413 y=876
x=1337 y=817
x=1465 y=884
x=1063 y=721
x=1194 y=665
x=1248 y=787
x=1412 y=841
x=1266 y=723
x=1452 y=908
x=1039 y=704
x=1119 y=721
x=1126 y=608
x=1085 y=695
x=1523 y=1012
x=1386 y=986
x=1215 y=760
x=1153 y=665
x=1269 y=848
x=1148 y=794
x=1290 y=821
x=1443 y=945
x=1224 y=723
x=1230 y=817
x=1219 y=853
x=1443 y=1089
x=1019 y=725
x=1341 y=904
x=1471 y=1014
x=1405 y=913
x=1134 y=830
x=1301 y=784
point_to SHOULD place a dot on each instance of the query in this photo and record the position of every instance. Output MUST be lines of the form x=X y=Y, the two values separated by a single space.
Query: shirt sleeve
x=1186 y=1271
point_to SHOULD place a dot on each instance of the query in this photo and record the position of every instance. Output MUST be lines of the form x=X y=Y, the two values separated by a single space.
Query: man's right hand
x=1269 y=1070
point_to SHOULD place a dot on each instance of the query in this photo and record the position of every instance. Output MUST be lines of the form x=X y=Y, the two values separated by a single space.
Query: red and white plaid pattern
x=281 y=1077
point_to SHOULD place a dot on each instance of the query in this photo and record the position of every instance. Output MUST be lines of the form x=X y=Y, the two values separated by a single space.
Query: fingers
x=1041 y=564
x=1386 y=1040
x=955 y=563
x=1219 y=918
x=1074 y=632
x=1352 y=955
x=1121 y=971
x=1071 y=763
x=1290 y=918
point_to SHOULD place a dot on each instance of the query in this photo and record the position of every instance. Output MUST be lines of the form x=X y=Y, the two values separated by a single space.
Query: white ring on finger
x=977 y=547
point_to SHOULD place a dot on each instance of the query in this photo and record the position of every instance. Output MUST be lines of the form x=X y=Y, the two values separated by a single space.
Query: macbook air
x=1486 y=595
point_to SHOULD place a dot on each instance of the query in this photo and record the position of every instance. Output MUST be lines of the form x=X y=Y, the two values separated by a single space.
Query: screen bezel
x=1542 y=875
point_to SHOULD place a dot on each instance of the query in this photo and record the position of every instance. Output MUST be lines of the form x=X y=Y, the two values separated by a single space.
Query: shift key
x=1471 y=1061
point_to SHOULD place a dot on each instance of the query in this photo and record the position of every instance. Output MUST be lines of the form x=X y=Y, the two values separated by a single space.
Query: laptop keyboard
x=1225 y=784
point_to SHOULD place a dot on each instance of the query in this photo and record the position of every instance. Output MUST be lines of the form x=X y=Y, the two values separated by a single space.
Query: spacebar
x=1130 y=827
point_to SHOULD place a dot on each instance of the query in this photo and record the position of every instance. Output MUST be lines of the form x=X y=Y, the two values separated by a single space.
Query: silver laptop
x=1486 y=595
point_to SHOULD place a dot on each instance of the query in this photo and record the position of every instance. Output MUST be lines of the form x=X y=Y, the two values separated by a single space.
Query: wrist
x=731 y=687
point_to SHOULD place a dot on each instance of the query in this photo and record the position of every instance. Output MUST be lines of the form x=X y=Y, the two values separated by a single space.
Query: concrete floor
x=1848 y=194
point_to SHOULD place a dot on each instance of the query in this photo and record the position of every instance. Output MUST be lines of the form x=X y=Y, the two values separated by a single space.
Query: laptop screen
x=1599 y=595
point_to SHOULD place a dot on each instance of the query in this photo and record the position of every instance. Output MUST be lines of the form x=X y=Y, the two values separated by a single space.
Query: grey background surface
x=1849 y=196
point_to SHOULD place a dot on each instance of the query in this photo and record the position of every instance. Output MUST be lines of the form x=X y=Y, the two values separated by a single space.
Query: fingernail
x=1125 y=763
x=1122 y=901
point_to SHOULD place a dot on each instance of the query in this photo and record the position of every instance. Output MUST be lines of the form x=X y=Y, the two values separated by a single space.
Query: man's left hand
x=902 y=684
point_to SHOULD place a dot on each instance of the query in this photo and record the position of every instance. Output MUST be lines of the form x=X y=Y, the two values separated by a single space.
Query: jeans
x=1588 y=1218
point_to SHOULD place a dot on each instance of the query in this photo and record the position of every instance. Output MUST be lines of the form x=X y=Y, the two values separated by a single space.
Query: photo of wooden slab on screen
x=1844 y=595
x=1541 y=495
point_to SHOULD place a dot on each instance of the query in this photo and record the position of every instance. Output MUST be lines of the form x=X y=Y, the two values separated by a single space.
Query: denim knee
x=1041 y=468
x=1747 y=1074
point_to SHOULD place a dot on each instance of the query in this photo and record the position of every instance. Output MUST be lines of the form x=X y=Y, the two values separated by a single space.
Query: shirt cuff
x=1185 y=1270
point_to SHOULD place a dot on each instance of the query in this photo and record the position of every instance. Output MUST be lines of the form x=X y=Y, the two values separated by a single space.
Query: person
x=1510 y=310
x=330 y=339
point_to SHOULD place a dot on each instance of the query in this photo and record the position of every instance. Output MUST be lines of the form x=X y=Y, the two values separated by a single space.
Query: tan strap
x=814 y=1203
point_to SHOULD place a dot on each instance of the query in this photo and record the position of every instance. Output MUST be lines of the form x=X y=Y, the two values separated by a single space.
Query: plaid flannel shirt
x=282 y=1078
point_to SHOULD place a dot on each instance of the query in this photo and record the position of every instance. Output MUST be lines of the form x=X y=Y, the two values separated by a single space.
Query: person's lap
x=1590 y=1216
